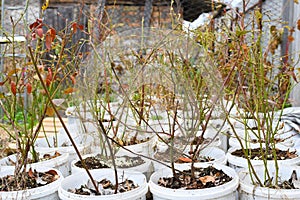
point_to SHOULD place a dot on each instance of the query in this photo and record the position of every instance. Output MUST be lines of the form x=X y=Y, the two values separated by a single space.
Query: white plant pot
x=81 y=178
x=47 y=192
x=239 y=163
x=144 y=148
x=83 y=146
x=252 y=192
x=226 y=191
x=247 y=136
x=59 y=162
x=217 y=154
x=143 y=168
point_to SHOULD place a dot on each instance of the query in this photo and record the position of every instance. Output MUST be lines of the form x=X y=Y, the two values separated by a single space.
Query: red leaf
x=52 y=172
x=74 y=27
x=81 y=27
x=29 y=88
x=49 y=38
x=30 y=173
x=39 y=32
x=13 y=87
x=33 y=25
x=49 y=77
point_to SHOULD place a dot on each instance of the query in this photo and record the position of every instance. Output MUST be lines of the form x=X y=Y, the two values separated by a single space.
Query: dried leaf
x=298 y=24
x=296 y=1
x=184 y=160
x=29 y=88
x=290 y=38
x=50 y=111
x=74 y=27
x=13 y=87
x=49 y=38
x=69 y=90
x=73 y=79
x=30 y=173
x=207 y=179
x=49 y=77
x=39 y=32
x=12 y=72
x=52 y=172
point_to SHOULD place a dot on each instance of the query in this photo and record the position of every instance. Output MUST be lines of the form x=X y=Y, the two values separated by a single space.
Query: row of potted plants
x=176 y=96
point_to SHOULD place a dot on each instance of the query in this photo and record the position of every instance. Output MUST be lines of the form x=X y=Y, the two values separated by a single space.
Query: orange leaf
x=12 y=72
x=69 y=90
x=52 y=172
x=49 y=38
x=184 y=160
x=298 y=24
x=290 y=38
x=30 y=173
x=13 y=87
x=50 y=111
x=73 y=79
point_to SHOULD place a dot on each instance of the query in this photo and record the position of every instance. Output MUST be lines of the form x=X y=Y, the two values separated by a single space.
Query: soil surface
x=106 y=187
x=27 y=180
x=203 y=178
x=180 y=157
x=98 y=162
x=257 y=154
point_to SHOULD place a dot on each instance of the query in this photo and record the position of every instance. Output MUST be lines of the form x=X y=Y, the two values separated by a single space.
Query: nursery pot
x=249 y=138
x=226 y=191
x=83 y=145
x=46 y=192
x=237 y=162
x=248 y=190
x=80 y=178
x=143 y=148
x=60 y=162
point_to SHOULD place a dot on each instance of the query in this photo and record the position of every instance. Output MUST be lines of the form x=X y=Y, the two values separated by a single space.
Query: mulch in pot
x=28 y=180
x=98 y=162
x=180 y=157
x=258 y=153
x=106 y=187
x=204 y=178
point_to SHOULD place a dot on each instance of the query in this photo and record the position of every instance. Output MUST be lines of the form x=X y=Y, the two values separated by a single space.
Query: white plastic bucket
x=252 y=192
x=78 y=179
x=59 y=162
x=247 y=137
x=143 y=148
x=239 y=163
x=83 y=146
x=216 y=153
x=47 y=192
x=226 y=191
